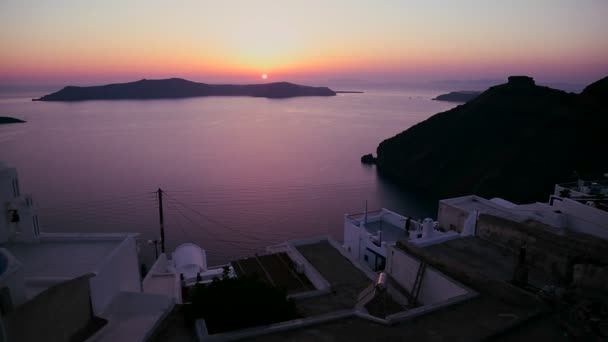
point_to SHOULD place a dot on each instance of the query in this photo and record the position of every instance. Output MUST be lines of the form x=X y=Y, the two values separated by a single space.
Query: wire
x=279 y=187
x=103 y=202
x=216 y=222
x=216 y=238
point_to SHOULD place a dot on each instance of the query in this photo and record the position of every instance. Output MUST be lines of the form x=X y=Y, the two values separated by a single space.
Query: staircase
x=418 y=282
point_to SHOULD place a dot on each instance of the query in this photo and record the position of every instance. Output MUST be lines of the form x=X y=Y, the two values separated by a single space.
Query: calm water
x=239 y=173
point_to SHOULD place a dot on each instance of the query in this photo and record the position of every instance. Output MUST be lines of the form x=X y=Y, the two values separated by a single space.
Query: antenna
x=162 y=220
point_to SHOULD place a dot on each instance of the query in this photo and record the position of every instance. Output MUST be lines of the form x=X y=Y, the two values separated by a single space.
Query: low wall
x=435 y=287
x=201 y=329
x=472 y=278
x=54 y=315
x=118 y=272
x=545 y=247
x=311 y=273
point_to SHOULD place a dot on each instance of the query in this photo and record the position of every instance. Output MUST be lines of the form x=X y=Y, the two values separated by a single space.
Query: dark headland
x=175 y=88
x=515 y=141
x=458 y=96
x=9 y=120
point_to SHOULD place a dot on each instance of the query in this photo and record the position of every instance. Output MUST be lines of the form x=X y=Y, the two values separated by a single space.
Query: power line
x=281 y=188
x=104 y=202
x=216 y=238
x=218 y=223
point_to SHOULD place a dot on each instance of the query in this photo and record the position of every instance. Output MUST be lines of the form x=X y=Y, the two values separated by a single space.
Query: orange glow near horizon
x=113 y=41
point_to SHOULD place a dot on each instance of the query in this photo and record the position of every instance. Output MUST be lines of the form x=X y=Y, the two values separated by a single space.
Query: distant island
x=175 y=88
x=9 y=120
x=458 y=96
x=348 y=92
x=514 y=141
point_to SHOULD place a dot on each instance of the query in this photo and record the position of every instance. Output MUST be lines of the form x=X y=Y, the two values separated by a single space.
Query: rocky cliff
x=515 y=141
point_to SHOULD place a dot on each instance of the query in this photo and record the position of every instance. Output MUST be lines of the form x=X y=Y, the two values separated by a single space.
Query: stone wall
x=54 y=315
x=554 y=251
x=450 y=217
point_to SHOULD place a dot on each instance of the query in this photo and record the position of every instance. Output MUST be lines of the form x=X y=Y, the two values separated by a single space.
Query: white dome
x=190 y=259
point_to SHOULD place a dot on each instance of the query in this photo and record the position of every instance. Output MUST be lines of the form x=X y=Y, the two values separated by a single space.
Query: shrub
x=238 y=303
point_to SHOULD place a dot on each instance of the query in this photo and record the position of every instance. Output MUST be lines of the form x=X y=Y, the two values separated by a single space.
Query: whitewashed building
x=186 y=267
x=579 y=212
x=368 y=235
x=34 y=265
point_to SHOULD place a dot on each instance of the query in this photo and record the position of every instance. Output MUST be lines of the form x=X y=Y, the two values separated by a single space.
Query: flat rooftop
x=58 y=257
x=490 y=259
x=61 y=259
x=470 y=203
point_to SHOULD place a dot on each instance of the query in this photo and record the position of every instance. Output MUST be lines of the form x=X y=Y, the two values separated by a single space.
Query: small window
x=365 y=257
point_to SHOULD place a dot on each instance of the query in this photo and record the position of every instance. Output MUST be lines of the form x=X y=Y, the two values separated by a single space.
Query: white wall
x=450 y=217
x=435 y=286
x=119 y=272
x=402 y=267
x=352 y=238
x=583 y=218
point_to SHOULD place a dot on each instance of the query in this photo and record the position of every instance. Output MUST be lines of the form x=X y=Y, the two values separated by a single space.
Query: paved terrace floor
x=345 y=279
x=61 y=259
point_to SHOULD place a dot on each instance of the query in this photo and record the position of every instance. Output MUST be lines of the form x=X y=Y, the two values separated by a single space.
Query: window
x=365 y=257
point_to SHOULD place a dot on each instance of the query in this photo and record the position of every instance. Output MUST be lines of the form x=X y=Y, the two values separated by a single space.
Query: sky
x=92 y=42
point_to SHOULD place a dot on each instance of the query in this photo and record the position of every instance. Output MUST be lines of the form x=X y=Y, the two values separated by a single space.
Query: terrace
x=274 y=269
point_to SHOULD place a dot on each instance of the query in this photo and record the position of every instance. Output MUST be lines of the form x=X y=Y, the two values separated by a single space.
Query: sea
x=237 y=173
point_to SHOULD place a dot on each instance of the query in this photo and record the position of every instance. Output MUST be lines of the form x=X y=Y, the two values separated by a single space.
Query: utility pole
x=162 y=220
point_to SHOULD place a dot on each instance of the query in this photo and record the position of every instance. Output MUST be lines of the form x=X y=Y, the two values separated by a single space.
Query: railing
x=361 y=215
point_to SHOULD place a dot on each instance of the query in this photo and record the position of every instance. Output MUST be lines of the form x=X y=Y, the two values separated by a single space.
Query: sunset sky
x=87 y=42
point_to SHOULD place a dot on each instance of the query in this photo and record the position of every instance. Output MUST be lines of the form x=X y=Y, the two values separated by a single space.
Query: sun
x=264 y=76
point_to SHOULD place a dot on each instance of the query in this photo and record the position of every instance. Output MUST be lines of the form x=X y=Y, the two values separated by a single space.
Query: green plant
x=238 y=303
